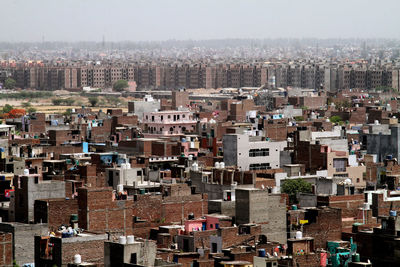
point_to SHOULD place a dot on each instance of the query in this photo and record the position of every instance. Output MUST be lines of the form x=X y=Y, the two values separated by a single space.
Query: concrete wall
x=23 y=239
x=140 y=107
x=258 y=206
x=115 y=254
x=384 y=144
x=230 y=143
x=223 y=207
x=30 y=191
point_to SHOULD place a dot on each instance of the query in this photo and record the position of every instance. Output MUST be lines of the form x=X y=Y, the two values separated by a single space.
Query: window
x=340 y=164
x=262 y=152
x=260 y=166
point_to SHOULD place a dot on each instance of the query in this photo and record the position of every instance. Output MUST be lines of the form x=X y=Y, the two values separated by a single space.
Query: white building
x=252 y=152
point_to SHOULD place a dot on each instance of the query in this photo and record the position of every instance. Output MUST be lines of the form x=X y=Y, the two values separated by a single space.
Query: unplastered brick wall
x=90 y=251
x=55 y=212
x=380 y=207
x=99 y=212
x=6 y=249
x=154 y=208
x=231 y=237
x=349 y=204
x=324 y=225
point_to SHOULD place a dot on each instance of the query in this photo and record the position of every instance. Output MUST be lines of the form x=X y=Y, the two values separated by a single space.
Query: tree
x=68 y=112
x=120 y=85
x=114 y=101
x=7 y=108
x=69 y=101
x=294 y=186
x=93 y=101
x=31 y=110
x=299 y=118
x=10 y=83
x=56 y=101
x=26 y=104
x=335 y=119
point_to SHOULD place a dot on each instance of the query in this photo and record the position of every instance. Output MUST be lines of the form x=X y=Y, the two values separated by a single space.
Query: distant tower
x=364 y=50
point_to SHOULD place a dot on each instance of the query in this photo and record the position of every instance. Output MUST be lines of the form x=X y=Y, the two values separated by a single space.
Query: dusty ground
x=45 y=105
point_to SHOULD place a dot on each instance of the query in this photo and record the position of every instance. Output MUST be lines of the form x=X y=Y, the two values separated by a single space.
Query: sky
x=157 y=20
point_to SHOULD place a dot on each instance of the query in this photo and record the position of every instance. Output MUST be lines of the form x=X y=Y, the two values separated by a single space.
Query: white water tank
x=26 y=171
x=222 y=165
x=299 y=235
x=130 y=239
x=190 y=157
x=376 y=122
x=366 y=206
x=217 y=165
x=195 y=166
x=77 y=259
x=122 y=240
x=120 y=188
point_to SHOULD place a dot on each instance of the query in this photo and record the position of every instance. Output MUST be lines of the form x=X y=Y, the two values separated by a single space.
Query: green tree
x=93 y=101
x=68 y=101
x=26 y=104
x=120 y=85
x=56 y=101
x=299 y=118
x=7 y=108
x=294 y=186
x=31 y=110
x=10 y=83
x=68 y=112
x=114 y=101
x=335 y=119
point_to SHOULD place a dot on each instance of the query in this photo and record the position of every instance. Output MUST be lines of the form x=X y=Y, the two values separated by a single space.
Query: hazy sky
x=89 y=20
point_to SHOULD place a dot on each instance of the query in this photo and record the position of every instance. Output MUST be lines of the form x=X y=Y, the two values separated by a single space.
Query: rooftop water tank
x=222 y=165
x=130 y=239
x=217 y=165
x=261 y=253
x=195 y=166
x=26 y=171
x=392 y=213
x=299 y=235
x=348 y=181
x=122 y=239
x=190 y=157
x=366 y=206
x=120 y=188
x=77 y=259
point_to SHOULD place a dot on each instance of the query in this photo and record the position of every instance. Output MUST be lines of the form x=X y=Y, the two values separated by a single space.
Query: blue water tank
x=393 y=213
x=261 y=252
